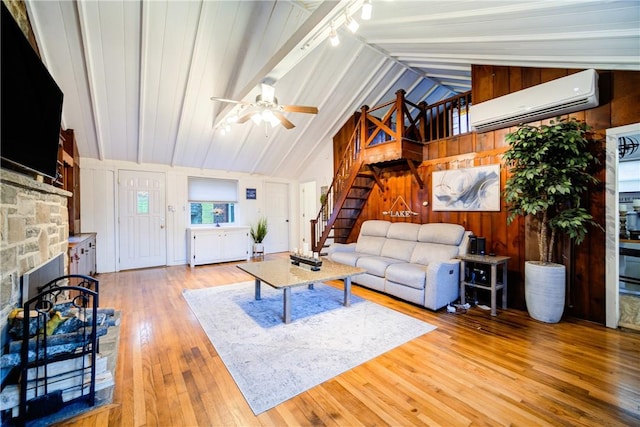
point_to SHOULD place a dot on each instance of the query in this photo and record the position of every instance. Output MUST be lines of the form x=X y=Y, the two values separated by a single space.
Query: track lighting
x=333 y=37
x=367 y=8
x=352 y=24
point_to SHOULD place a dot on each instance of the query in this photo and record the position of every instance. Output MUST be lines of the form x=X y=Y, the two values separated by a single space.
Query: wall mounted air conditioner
x=565 y=95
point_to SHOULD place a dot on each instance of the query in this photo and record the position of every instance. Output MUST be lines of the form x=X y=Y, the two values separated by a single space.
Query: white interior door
x=141 y=219
x=308 y=209
x=612 y=226
x=277 y=206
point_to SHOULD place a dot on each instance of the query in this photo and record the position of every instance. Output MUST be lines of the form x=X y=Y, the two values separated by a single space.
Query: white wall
x=99 y=210
x=321 y=171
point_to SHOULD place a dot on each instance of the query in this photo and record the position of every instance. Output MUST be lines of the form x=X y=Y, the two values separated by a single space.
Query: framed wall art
x=468 y=189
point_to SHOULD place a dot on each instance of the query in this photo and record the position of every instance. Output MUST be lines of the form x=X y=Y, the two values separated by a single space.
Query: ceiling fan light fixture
x=367 y=10
x=257 y=118
x=269 y=117
x=268 y=93
x=333 y=37
x=232 y=118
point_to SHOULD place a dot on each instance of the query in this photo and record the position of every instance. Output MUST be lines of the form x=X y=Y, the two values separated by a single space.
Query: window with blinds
x=212 y=201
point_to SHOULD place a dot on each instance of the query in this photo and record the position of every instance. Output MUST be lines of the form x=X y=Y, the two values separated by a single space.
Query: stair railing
x=345 y=175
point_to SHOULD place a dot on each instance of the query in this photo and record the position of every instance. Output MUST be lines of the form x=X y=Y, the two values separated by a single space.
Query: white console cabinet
x=82 y=254
x=217 y=244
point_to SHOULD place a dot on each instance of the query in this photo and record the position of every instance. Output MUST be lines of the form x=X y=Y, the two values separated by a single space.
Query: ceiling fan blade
x=245 y=118
x=232 y=101
x=283 y=120
x=300 y=109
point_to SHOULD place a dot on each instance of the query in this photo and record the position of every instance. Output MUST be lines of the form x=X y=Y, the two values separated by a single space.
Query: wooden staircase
x=354 y=202
x=396 y=138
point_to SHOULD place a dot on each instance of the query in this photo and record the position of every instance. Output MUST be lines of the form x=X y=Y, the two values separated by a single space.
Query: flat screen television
x=31 y=105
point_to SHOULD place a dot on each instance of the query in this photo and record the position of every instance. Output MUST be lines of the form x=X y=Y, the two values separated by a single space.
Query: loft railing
x=447 y=118
x=420 y=123
x=376 y=130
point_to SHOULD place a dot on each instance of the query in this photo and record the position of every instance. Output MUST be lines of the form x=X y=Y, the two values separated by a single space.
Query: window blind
x=213 y=190
x=629 y=176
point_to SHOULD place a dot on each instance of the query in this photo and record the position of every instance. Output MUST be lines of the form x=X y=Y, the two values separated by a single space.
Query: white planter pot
x=258 y=248
x=544 y=290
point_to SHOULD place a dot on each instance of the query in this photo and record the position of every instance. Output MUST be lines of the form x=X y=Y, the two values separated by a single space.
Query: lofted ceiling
x=138 y=75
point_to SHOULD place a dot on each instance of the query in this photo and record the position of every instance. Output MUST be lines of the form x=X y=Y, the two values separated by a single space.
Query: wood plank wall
x=619 y=101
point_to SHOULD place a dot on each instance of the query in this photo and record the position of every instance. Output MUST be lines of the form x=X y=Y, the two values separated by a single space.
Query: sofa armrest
x=443 y=283
x=341 y=247
x=446 y=271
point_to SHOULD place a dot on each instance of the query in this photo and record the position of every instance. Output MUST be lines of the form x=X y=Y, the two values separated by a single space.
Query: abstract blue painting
x=469 y=189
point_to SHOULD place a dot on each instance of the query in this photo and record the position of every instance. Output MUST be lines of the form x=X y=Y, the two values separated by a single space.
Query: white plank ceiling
x=138 y=75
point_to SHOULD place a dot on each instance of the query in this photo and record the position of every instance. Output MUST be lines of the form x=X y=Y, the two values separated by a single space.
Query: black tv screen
x=31 y=105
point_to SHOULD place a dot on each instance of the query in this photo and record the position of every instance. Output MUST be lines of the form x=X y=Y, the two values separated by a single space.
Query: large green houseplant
x=549 y=169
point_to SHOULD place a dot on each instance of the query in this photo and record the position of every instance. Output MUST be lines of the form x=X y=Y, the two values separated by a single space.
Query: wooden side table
x=494 y=262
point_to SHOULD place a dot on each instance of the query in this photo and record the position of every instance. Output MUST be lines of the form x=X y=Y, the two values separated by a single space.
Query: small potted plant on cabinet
x=550 y=169
x=258 y=232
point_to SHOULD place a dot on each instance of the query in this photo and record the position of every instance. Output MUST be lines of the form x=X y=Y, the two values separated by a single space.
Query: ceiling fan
x=266 y=108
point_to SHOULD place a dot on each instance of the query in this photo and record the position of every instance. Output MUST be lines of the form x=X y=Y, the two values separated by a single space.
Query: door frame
x=308 y=196
x=117 y=214
x=289 y=211
x=612 y=226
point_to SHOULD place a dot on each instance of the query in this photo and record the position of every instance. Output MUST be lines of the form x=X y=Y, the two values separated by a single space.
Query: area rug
x=272 y=362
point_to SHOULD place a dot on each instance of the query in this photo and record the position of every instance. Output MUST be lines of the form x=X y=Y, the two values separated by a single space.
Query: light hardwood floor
x=472 y=370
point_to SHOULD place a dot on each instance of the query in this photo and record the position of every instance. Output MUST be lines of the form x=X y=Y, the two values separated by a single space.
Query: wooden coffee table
x=281 y=274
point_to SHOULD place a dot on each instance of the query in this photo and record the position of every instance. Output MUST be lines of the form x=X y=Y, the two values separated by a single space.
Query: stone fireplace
x=34 y=227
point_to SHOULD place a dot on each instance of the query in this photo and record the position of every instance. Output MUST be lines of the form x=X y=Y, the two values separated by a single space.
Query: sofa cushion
x=403 y=231
x=376 y=265
x=412 y=275
x=372 y=237
x=398 y=249
x=370 y=245
x=445 y=234
x=426 y=253
x=375 y=227
x=348 y=258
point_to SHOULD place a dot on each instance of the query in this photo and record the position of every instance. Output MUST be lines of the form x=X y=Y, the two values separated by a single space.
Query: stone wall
x=34 y=227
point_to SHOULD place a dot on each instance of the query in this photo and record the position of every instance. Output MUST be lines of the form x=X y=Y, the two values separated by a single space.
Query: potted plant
x=550 y=169
x=258 y=233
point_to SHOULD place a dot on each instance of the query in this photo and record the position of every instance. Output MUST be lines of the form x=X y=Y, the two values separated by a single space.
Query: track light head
x=367 y=9
x=352 y=24
x=333 y=37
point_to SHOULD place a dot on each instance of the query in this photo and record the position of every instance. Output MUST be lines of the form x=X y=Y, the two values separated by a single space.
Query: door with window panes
x=141 y=221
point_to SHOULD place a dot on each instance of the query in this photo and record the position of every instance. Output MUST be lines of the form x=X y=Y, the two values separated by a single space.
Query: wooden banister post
x=314 y=240
x=400 y=112
x=364 y=134
x=423 y=121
